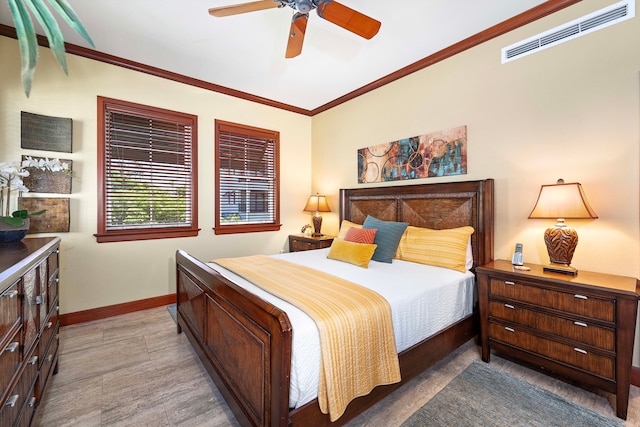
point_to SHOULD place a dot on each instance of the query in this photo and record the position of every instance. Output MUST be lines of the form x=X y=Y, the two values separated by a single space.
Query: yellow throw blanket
x=356 y=332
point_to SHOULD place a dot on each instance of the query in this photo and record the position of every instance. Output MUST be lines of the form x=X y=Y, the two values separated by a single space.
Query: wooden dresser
x=28 y=325
x=578 y=327
x=301 y=242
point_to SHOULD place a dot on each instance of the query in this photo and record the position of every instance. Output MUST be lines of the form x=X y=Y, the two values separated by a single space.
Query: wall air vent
x=602 y=18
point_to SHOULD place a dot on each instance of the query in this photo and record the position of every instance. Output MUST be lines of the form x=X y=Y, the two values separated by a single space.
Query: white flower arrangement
x=11 y=175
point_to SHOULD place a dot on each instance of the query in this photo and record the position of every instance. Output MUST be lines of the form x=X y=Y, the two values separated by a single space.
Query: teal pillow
x=387 y=237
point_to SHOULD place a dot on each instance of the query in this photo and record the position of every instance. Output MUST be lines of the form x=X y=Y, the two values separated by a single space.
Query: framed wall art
x=54 y=220
x=434 y=154
x=46 y=133
x=46 y=181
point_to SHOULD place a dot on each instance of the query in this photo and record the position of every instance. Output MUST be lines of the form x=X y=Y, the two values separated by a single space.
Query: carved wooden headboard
x=436 y=206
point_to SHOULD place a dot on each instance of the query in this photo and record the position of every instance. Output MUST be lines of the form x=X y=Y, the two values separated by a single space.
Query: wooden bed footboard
x=243 y=342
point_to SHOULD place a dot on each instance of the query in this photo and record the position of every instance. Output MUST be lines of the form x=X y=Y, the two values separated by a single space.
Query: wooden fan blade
x=348 y=18
x=296 y=34
x=243 y=8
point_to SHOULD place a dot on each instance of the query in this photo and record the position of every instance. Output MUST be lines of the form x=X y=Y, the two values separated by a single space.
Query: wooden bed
x=245 y=342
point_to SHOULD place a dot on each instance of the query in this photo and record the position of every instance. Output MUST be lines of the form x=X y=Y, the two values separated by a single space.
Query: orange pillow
x=361 y=235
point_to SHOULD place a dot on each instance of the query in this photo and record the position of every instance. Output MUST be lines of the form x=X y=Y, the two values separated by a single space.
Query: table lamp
x=317 y=204
x=561 y=201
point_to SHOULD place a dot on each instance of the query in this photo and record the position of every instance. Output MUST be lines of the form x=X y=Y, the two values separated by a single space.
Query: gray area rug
x=485 y=396
x=172 y=311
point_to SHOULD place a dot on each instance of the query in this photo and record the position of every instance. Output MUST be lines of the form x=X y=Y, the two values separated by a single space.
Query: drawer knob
x=9 y=294
x=580 y=296
x=579 y=350
x=32 y=402
x=33 y=360
x=13 y=346
x=49 y=325
x=509 y=329
x=49 y=358
x=584 y=325
x=40 y=299
x=508 y=282
x=509 y=306
x=11 y=402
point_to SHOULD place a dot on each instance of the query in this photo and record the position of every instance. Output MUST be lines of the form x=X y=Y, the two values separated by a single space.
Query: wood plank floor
x=134 y=370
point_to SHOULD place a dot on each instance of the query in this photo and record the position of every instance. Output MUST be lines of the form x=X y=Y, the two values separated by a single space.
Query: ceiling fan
x=329 y=10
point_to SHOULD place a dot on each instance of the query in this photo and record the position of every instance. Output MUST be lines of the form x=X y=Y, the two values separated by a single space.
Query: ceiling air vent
x=602 y=18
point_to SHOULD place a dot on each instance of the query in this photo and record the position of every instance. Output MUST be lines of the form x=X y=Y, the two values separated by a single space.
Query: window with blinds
x=247 y=190
x=147 y=173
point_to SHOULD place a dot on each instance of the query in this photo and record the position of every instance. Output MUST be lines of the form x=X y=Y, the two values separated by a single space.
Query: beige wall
x=570 y=111
x=97 y=275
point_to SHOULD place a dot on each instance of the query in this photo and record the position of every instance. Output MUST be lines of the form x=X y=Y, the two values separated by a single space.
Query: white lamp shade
x=317 y=203
x=562 y=200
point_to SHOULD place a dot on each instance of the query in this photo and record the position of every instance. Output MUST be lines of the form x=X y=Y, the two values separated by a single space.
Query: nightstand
x=302 y=242
x=578 y=327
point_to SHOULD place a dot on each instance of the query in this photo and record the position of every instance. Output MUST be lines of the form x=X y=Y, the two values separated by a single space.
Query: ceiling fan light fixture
x=304 y=6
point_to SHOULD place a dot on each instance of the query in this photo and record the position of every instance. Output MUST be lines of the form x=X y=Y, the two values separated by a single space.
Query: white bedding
x=423 y=299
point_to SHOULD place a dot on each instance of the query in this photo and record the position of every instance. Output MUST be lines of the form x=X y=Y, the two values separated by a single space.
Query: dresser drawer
x=9 y=309
x=568 y=302
x=578 y=330
x=21 y=394
x=305 y=243
x=49 y=335
x=597 y=364
x=10 y=360
x=49 y=328
x=9 y=413
x=29 y=408
x=299 y=245
x=49 y=359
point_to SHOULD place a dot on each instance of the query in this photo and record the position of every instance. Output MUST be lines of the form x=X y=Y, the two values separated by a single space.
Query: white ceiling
x=246 y=52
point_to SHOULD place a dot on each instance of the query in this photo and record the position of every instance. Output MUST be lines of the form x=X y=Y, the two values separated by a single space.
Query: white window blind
x=247 y=177
x=148 y=171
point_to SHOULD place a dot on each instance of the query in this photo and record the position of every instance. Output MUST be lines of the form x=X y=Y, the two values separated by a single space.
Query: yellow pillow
x=441 y=248
x=345 y=226
x=354 y=253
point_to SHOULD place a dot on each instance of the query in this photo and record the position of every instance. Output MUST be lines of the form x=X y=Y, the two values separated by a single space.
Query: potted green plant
x=15 y=225
x=27 y=35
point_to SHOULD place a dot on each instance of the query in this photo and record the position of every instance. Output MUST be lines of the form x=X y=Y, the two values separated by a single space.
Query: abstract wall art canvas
x=434 y=154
